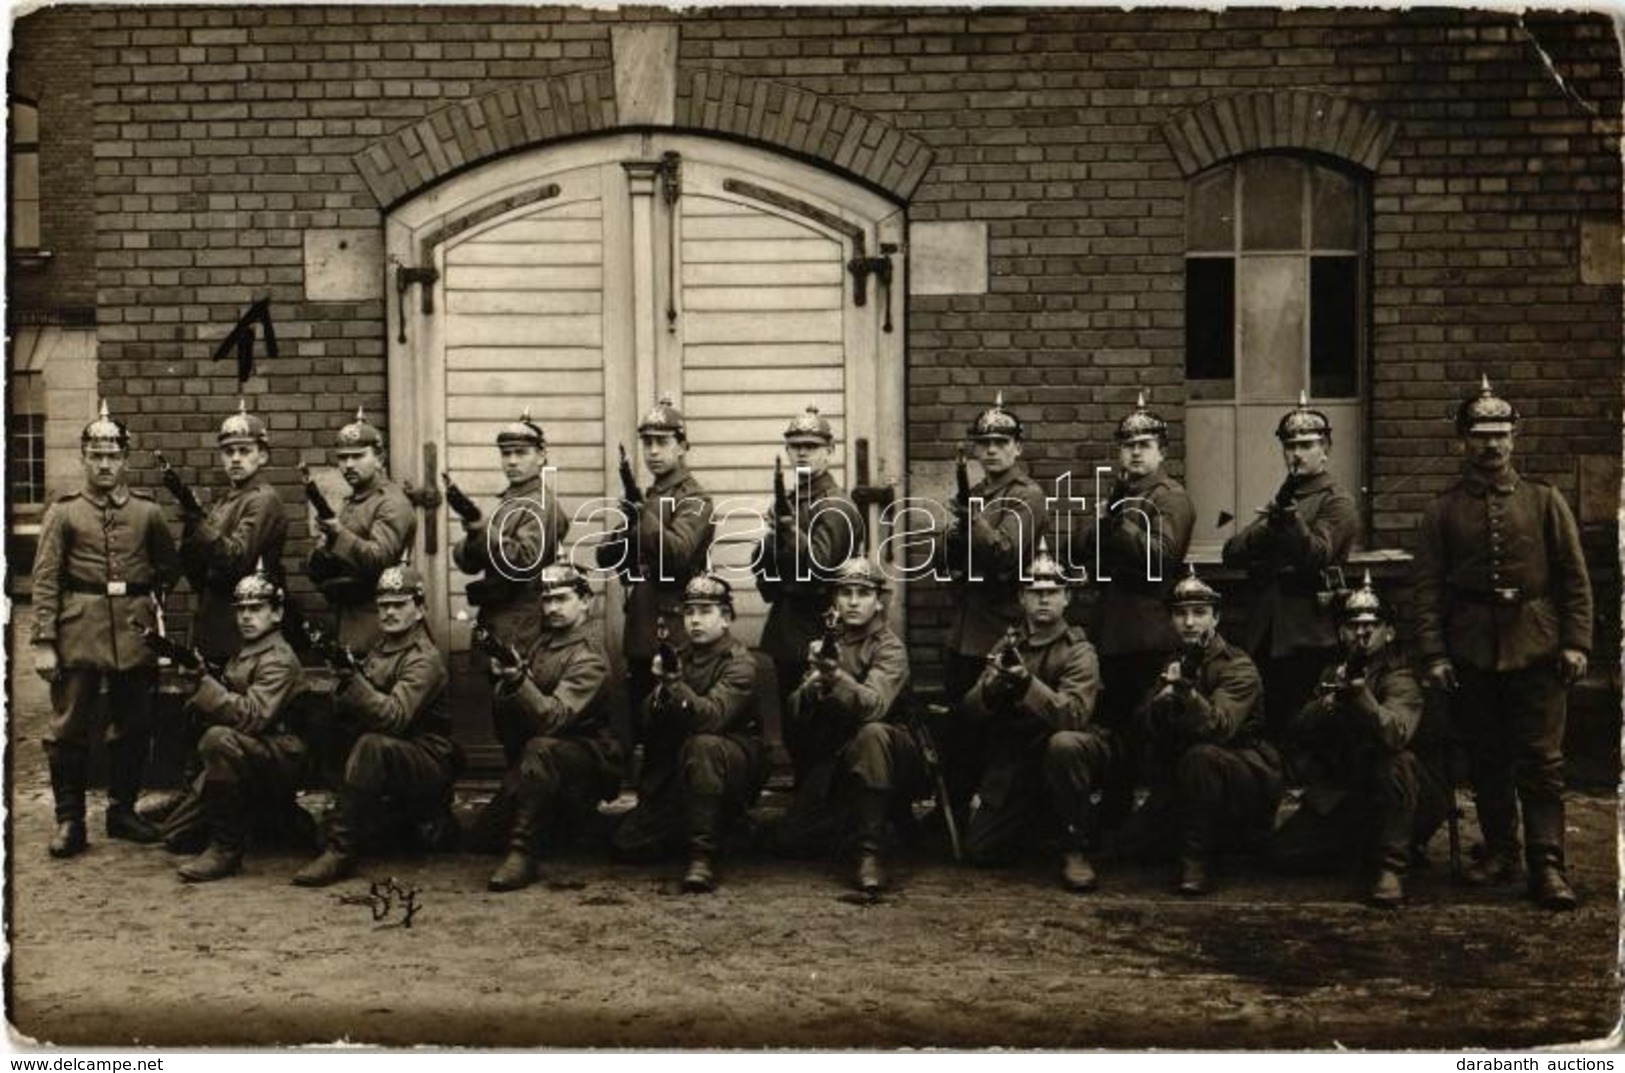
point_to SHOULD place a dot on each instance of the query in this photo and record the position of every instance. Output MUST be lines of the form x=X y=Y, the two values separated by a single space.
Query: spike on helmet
x=242 y=427
x=1192 y=591
x=996 y=421
x=398 y=583
x=1044 y=572
x=521 y=433
x=360 y=433
x=809 y=426
x=664 y=419
x=708 y=588
x=1485 y=412
x=860 y=571
x=1141 y=424
x=1363 y=604
x=1302 y=423
x=257 y=588
x=105 y=431
x=562 y=577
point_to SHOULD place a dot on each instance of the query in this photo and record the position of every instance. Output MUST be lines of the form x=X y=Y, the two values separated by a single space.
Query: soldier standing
x=1215 y=781
x=242 y=528
x=704 y=754
x=1310 y=525
x=552 y=718
x=804 y=548
x=859 y=764
x=1368 y=794
x=405 y=753
x=104 y=554
x=1503 y=607
x=366 y=536
x=252 y=761
x=512 y=544
x=1036 y=699
x=1142 y=545
x=988 y=550
x=666 y=539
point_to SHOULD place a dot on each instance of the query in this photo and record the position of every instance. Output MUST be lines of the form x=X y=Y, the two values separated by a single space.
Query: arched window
x=1275 y=303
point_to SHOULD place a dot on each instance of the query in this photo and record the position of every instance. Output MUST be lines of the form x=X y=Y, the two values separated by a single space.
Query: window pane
x=24 y=124
x=1271 y=294
x=1334 y=327
x=1271 y=203
x=1210 y=327
x=25 y=201
x=1333 y=217
x=1210 y=211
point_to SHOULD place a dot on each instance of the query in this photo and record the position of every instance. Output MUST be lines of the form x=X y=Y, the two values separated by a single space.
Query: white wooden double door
x=588 y=280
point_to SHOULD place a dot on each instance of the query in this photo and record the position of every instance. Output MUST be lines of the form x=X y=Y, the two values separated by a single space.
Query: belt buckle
x=117 y=588
x=1506 y=596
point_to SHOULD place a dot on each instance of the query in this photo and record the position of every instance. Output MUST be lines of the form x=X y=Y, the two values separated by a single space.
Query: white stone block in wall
x=947 y=258
x=344 y=265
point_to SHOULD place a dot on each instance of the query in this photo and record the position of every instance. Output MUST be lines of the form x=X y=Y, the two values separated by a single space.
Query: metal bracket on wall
x=404 y=278
x=671 y=189
x=880 y=267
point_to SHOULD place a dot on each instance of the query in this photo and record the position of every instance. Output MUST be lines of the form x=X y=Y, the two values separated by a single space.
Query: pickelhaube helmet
x=360 y=433
x=257 y=588
x=1485 y=412
x=1363 y=604
x=521 y=433
x=810 y=426
x=1192 y=591
x=1142 y=423
x=860 y=571
x=1044 y=572
x=996 y=421
x=664 y=419
x=560 y=577
x=708 y=588
x=105 y=432
x=243 y=427
x=398 y=583
x=1302 y=423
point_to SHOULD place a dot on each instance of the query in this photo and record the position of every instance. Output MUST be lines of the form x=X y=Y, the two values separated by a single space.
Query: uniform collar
x=389 y=645
x=866 y=631
x=1478 y=484
x=1137 y=485
x=1048 y=637
x=1319 y=482
x=523 y=488
x=259 y=647
x=565 y=638
x=362 y=497
x=670 y=481
x=1016 y=472
x=821 y=485
x=118 y=496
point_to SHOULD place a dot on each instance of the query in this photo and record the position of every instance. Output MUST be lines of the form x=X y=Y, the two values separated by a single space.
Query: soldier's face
x=396 y=617
x=1306 y=457
x=564 y=609
x=808 y=454
x=522 y=462
x=705 y=623
x=360 y=465
x=257 y=619
x=242 y=460
x=1043 y=607
x=1195 y=623
x=662 y=452
x=1370 y=637
x=1489 y=451
x=1141 y=457
x=104 y=467
x=997 y=454
x=856 y=605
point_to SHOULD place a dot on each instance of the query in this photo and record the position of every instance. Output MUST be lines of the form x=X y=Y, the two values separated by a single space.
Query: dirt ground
x=111 y=949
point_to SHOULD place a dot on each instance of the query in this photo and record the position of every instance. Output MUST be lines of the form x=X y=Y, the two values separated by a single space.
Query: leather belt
x=106 y=588
x=1509 y=596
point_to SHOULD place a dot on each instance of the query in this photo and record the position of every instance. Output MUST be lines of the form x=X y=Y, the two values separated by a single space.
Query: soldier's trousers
x=685 y=794
x=961 y=739
x=1047 y=787
x=881 y=759
x=414 y=774
x=245 y=783
x=1512 y=724
x=75 y=696
x=1211 y=797
x=1289 y=684
x=1384 y=811
x=1125 y=679
x=549 y=782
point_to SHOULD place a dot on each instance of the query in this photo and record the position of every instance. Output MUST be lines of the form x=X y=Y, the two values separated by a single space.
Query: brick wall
x=221 y=134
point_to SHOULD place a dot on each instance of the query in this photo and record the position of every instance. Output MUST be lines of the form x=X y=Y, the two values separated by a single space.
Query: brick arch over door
x=1288 y=119
x=770 y=114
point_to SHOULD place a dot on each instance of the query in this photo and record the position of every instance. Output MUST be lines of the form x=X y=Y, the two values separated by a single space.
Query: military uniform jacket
x=1223 y=708
x=673 y=539
x=1287 y=561
x=242 y=527
x=1060 y=694
x=254 y=693
x=1500 y=578
x=715 y=695
x=827 y=530
x=510 y=547
x=400 y=690
x=1342 y=732
x=98 y=559
x=375 y=527
x=565 y=692
x=1131 y=615
x=873 y=674
x=1002 y=537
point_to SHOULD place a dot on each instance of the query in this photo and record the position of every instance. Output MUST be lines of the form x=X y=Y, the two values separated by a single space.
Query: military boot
x=518 y=868
x=124 y=767
x=700 y=820
x=1543 y=834
x=1388 y=892
x=68 y=789
x=1496 y=866
x=344 y=828
x=1193 y=858
x=871 y=808
x=1077 y=874
x=224 y=807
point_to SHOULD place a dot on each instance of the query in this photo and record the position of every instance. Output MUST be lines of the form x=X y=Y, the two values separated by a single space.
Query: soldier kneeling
x=1365 y=791
x=855 y=764
x=552 y=718
x=1036 y=696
